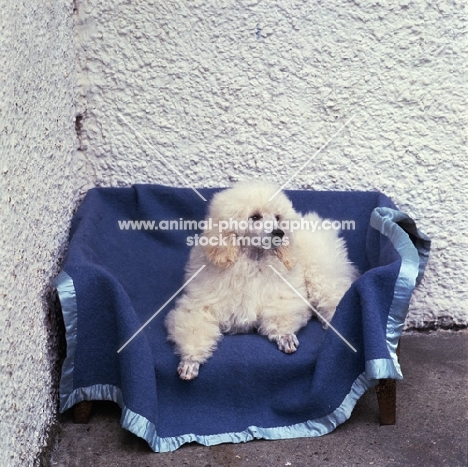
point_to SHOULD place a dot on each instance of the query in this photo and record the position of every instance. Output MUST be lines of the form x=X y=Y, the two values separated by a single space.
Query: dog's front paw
x=188 y=369
x=288 y=343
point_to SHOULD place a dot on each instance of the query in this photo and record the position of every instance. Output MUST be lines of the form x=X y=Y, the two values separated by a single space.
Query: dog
x=258 y=273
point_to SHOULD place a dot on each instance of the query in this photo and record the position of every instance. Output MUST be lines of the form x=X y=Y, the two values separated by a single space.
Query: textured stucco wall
x=37 y=151
x=238 y=89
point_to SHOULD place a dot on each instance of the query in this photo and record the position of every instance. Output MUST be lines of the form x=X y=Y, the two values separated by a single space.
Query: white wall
x=37 y=168
x=238 y=89
x=224 y=90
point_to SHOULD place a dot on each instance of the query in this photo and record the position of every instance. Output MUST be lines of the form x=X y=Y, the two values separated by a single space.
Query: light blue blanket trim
x=140 y=426
x=67 y=295
x=414 y=257
x=414 y=260
x=381 y=368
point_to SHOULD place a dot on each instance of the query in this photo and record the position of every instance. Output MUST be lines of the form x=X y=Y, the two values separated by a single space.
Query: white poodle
x=261 y=271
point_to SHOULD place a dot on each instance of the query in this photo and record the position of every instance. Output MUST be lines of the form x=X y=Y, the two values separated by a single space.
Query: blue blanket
x=116 y=276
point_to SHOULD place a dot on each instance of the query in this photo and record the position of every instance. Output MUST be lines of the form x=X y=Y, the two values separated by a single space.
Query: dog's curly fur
x=238 y=291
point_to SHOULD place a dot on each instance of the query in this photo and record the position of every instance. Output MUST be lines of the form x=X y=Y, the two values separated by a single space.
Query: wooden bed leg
x=386 y=397
x=82 y=412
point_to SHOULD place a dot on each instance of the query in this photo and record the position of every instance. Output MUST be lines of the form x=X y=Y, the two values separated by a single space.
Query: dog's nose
x=277 y=233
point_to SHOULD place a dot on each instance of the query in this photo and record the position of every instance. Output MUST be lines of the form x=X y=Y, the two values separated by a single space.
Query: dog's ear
x=284 y=255
x=221 y=248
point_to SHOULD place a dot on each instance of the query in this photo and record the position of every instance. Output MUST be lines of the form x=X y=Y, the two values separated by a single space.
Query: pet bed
x=117 y=275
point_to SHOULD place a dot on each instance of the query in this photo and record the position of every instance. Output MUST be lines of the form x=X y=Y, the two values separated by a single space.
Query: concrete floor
x=431 y=429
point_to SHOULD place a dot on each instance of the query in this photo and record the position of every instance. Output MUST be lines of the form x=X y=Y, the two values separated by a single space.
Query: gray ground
x=431 y=429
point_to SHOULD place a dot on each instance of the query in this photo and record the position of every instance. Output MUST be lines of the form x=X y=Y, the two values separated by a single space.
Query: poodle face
x=263 y=231
x=246 y=220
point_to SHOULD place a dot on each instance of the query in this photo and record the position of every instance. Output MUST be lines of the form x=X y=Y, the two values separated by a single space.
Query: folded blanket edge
x=414 y=253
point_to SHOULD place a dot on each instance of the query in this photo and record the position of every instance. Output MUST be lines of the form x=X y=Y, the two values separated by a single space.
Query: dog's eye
x=255 y=217
x=277 y=218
